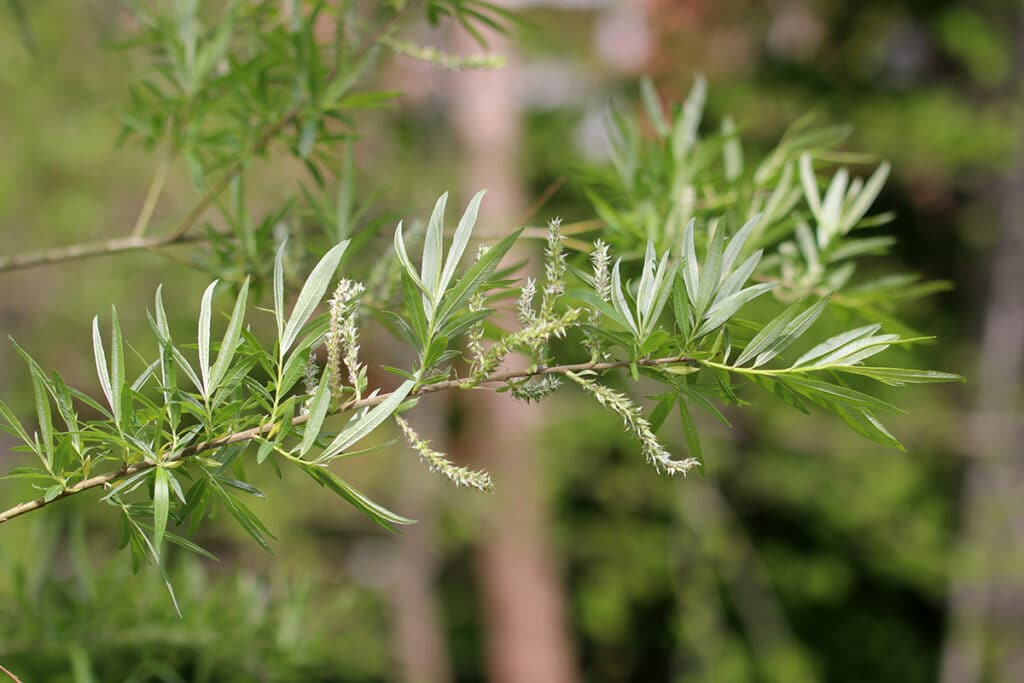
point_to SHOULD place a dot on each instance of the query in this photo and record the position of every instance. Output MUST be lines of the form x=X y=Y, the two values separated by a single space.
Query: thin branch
x=177 y=235
x=257 y=432
x=86 y=250
x=10 y=675
x=156 y=188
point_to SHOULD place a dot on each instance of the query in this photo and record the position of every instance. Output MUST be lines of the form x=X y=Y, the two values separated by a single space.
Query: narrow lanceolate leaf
x=311 y=294
x=866 y=424
x=378 y=513
x=900 y=376
x=619 y=298
x=117 y=367
x=684 y=134
x=857 y=350
x=101 y=366
x=360 y=427
x=690 y=432
x=736 y=244
x=433 y=249
x=722 y=311
x=204 y=337
x=474 y=278
x=810 y=183
x=163 y=329
x=461 y=239
x=709 y=276
x=662 y=291
x=403 y=258
x=318 y=406
x=865 y=198
x=43 y=411
x=652 y=105
x=768 y=334
x=833 y=343
x=691 y=274
x=738 y=277
x=229 y=344
x=279 y=290
x=832 y=207
x=161 y=506
x=13 y=424
x=645 y=290
x=792 y=331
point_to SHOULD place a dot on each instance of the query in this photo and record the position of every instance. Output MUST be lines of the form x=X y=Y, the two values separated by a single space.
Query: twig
x=178 y=235
x=156 y=188
x=257 y=432
x=10 y=675
x=547 y=194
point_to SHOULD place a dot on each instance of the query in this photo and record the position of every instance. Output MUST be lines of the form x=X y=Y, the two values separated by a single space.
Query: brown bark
x=420 y=647
x=986 y=604
x=524 y=609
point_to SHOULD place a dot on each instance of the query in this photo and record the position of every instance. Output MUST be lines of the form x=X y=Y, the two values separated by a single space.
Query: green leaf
x=691 y=273
x=737 y=278
x=474 y=278
x=318 y=407
x=243 y=515
x=311 y=294
x=722 y=311
x=661 y=410
x=681 y=306
x=433 y=250
x=810 y=184
x=378 y=513
x=835 y=342
x=792 y=326
x=361 y=426
x=736 y=244
x=619 y=299
x=117 y=367
x=403 y=258
x=690 y=432
x=232 y=337
x=858 y=350
x=43 y=411
x=461 y=239
x=279 y=291
x=161 y=506
x=865 y=198
x=901 y=376
x=866 y=424
x=204 y=338
x=14 y=425
x=652 y=106
x=101 y=366
x=817 y=390
x=684 y=133
x=711 y=273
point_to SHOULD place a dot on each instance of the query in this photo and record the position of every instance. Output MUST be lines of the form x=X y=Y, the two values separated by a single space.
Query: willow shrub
x=690 y=230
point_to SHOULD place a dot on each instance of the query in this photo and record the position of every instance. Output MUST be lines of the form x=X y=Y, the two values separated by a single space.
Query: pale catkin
x=554 y=269
x=601 y=260
x=530 y=336
x=343 y=337
x=637 y=425
x=437 y=462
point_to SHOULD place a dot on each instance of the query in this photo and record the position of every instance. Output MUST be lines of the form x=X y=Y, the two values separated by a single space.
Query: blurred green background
x=805 y=554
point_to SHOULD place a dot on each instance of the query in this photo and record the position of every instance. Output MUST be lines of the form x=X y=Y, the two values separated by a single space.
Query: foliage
x=170 y=441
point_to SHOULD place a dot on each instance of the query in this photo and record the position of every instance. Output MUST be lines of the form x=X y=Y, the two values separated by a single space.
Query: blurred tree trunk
x=523 y=605
x=420 y=647
x=986 y=605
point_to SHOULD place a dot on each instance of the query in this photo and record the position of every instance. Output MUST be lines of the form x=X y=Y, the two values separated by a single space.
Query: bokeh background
x=805 y=554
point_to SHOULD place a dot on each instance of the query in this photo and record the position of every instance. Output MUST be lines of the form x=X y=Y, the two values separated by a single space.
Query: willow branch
x=135 y=242
x=258 y=432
